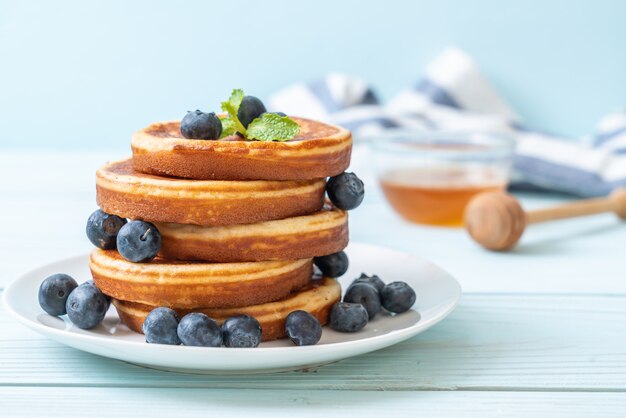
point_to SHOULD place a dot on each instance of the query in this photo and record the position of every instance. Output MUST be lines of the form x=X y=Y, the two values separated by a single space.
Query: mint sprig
x=229 y=127
x=231 y=106
x=273 y=127
x=268 y=127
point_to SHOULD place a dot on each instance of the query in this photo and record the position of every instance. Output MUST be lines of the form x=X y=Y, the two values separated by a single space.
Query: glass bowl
x=428 y=177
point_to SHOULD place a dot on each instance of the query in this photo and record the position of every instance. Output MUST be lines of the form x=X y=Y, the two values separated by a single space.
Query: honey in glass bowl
x=429 y=178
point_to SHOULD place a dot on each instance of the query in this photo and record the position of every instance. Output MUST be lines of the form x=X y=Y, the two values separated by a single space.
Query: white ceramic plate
x=437 y=295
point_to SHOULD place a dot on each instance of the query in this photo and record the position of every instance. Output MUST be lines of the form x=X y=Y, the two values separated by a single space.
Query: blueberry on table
x=86 y=306
x=54 y=291
x=374 y=280
x=303 y=328
x=200 y=125
x=250 y=109
x=102 y=229
x=366 y=295
x=347 y=317
x=397 y=297
x=138 y=241
x=333 y=265
x=199 y=330
x=241 y=331
x=346 y=191
x=161 y=326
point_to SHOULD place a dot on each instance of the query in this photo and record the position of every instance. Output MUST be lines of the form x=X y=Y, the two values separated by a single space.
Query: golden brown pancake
x=320 y=150
x=129 y=194
x=317 y=299
x=322 y=233
x=188 y=285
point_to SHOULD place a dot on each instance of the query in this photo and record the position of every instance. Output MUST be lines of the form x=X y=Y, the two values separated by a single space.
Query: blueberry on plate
x=198 y=329
x=54 y=291
x=200 y=125
x=397 y=297
x=138 y=241
x=161 y=326
x=241 y=331
x=374 y=280
x=102 y=229
x=366 y=295
x=86 y=306
x=107 y=297
x=303 y=328
x=250 y=109
x=333 y=265
x=347 y=317
x=346 y=191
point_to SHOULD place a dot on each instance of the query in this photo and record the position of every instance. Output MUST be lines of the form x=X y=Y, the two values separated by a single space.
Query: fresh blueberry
x=139 y=241
x=200 y=125
x=102 y=229
x=332 y=265
x=198 y=329
x=86 y=306
x=54 y=291
x=241 y=331
x=366 y=295
x=374 y=280
x=250 y=109
x=303 y=328
x=397 y=297
x=107 y=297
x=347 y=317
x=345 y=191
x=160 y=326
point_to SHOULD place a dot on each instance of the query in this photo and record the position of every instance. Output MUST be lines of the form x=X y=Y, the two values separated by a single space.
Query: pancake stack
x=240 y=222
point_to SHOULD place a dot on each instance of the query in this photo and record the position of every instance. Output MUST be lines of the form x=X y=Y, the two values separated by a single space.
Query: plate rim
x=377 y=341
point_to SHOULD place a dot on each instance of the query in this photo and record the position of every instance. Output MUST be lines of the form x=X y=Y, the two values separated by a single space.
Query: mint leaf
x=273 y=127
x=228 y=127
x=232 y=107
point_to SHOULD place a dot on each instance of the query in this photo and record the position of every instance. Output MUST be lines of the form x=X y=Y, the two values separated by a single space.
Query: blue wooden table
x=540 y=331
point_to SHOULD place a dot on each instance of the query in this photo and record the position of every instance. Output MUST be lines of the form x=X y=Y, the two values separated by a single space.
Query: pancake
x=316 y=299
x=188 y=284
x=320 y=150
x=129 y=194
x=322 y=233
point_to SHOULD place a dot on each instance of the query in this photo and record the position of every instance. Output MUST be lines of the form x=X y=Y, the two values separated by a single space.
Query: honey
x=437 y=196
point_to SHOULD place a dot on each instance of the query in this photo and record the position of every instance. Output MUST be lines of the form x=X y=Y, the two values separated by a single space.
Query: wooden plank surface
x=491 y=342
x=136 y=402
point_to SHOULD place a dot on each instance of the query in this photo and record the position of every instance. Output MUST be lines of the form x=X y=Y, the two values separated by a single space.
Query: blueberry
x=139 y=241
x=54 y=291
x=160 y=326
x=303 y=328
x=374 y=280
x=250 y=109
x=347 y=317
x=366 y=295
x=86 y=306
x=107 y=297
x=200 y=125
x=198 y=329
x=102 y=229
x=345 y=191
x=397 y=297
x=241 y=331
x=332 y=265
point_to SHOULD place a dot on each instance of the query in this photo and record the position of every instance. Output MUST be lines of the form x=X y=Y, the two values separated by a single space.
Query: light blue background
x=88 y=74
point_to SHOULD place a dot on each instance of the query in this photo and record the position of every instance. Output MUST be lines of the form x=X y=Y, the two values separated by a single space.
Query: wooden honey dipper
x=496 y=220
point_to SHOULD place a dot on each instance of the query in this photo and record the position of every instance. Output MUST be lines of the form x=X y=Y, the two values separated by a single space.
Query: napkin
x=453 y=95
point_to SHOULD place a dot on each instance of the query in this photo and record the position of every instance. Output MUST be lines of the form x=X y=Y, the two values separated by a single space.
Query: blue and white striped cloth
x=454 y=95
